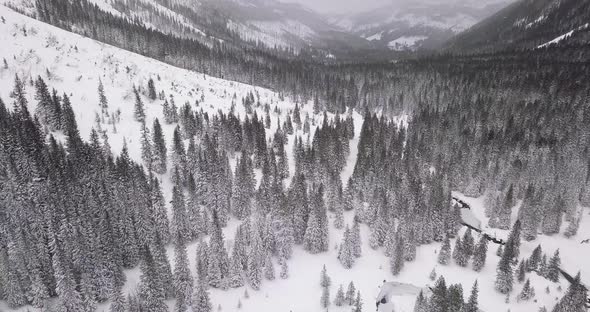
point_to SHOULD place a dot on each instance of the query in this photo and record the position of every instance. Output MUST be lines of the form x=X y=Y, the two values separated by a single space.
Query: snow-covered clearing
x=405 y=42
x=376 y=36
x=74 y=64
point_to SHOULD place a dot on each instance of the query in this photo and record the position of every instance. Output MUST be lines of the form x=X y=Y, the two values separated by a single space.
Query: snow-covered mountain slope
x=432 y=21
x=266 y=23
x=74 y=64
x=528 y=24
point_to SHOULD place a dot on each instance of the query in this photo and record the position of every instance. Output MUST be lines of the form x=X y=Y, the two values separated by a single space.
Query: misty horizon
x=338 y=7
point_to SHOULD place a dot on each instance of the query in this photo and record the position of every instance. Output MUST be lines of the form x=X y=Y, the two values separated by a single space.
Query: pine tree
x=459 y=253
x=180 y=225
x=432 y=275
x=346 y=252
x=151 y=294
x=543 y=266
x=574 y=299
x=455 y=297
x=520 y=273
x=325 y=280
x=472 y=303
x=254 y=262
x=102 y=99
x=535 y=259
x=159 y=148
x=480 y=254
x=439 y=301
x=284 y=268
x=444 y=255
x=356 y=239
x=312 y=240
x=69 y=297
x=269 y=269
x=351 y=290
x=152 y=90
x=512 y=246
x=146 y=146
x=339 y=300
x=468 y=244
x=201 y=301
x=397 y=259
x=118 y=301
x=138 y=112
x=325 y=299
x=528 y=292
x=504 y=276
x=183 y=281
x=421 y=304
x=554 y=267
x=358 y=303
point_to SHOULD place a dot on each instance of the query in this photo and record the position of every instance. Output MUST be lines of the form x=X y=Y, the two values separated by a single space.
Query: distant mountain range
x=419 y=24
x=528 y=24
x=388 y=32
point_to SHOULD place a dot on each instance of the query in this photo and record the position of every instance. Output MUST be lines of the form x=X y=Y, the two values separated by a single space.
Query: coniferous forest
x=509 y=130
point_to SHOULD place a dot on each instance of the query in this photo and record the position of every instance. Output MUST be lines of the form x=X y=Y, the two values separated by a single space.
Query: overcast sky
x=340 y=6
x=356 y=6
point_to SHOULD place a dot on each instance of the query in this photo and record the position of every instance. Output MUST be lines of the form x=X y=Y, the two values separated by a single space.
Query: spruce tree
x=358 y=303
x=325 y=299
x=159 y=148
x=118 y=301
x=455 y=297
x=102 y=99
x=439 y=301
x=183 y=281
x=269 y=270
x=432 y=275
x=356 y=239
x=520 y=273
x=350 y=291
x=554 y=267
x=138 y=111
x=339 y=300
x=574 y=299
x=528 y=292
x=480 y=254
x=504 y=276
x=444 y=255
x=346 y=251
x=284 y=268
x=468 y=244
x=472 y=303
x=325 y=280
x=397 y=259
x=459 y=253
x=201 y=301
x=421 y=304
x=235 y=273
x=535 y=259
x=152 y=90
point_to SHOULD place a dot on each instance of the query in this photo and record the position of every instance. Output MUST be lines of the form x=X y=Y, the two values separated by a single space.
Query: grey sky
x=356 y=6
x=340 y=6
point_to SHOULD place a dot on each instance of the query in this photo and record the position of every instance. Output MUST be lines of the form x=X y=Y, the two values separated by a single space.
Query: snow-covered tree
x=554 y=267
x=444 y=255
x=350 y=292
x=480 y=254
x=472 y=302
x=340 y=299
x=528 y=292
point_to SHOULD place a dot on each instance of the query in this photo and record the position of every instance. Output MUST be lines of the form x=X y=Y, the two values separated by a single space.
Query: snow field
x=74 y=64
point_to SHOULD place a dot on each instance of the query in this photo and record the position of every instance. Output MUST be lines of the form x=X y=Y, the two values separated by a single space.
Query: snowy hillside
x=73 y=64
